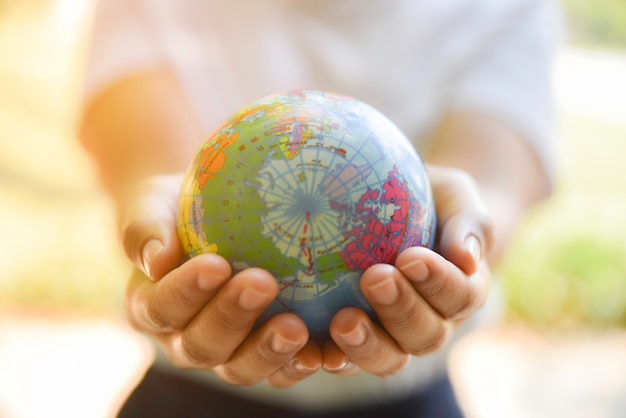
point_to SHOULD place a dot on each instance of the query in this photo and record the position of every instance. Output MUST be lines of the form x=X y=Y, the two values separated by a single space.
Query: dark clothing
x=165 y=395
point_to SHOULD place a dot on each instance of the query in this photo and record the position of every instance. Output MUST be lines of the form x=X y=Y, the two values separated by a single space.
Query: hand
x=421 y=299
x=204 y=319
x=201 y=316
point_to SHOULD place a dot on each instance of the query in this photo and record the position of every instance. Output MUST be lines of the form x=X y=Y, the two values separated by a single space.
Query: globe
x=314 y=187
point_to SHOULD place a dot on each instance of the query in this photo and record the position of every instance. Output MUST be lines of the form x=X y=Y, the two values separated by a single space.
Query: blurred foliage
x=567 y=266
x=60 y=250
x=597 y=23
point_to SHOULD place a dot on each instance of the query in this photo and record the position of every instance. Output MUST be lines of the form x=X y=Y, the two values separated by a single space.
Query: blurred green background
x=600 y=23
x=566 y=267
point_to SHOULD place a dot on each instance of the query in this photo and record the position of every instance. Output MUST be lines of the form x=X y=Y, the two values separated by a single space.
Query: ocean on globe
x=314 y=187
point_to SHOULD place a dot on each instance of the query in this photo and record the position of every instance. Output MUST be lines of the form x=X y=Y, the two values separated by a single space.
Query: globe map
x=314 y=187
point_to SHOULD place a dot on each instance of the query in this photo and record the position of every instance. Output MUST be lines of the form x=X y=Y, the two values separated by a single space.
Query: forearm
x=141 y=126
x=144 y=125
x=508 y=173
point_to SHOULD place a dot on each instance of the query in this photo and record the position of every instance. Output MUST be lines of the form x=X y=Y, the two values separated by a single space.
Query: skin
x=203 y=316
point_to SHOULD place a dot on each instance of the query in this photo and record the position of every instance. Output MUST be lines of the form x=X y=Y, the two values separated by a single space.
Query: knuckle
x=186 y=295
x=467 y=301
x=398 y=365
x=460 y=302
x=196 y=354
x=236 y=377
x=459 y=297
x=438 y=289
x=371 y=352
x=264 y=358
x=155 y=318
x=406 y=318
x=433 y=341
x=228 y=322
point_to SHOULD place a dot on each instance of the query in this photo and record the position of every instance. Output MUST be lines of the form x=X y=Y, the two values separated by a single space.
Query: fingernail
x=343 y=365
x=416 y=270
x=303 y=368
x=385 y=293
x=472 y=246
x=203 y=282
x=282 y=345
x=251 y=299
x=356 y=337
x=150 y=251
x=206 y=281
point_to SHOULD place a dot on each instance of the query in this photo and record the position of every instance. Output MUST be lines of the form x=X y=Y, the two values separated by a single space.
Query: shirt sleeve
x=121 y=44
x=510 y=79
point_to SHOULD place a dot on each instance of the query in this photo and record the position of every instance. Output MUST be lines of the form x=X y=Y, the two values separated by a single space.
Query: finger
x=266 y=351
x=336 y=361
x=414 y=325
x=463 y=241
x=446 y=288
x=171 y=303
x=306 y=363
x=148 y=227
x=365 y=344
x=465 y=230
x=224 y=323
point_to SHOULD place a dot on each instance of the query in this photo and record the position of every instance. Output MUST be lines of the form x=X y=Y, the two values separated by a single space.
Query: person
x=468 y=82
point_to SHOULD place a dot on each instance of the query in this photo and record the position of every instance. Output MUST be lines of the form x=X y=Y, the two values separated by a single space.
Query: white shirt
x=413 y=60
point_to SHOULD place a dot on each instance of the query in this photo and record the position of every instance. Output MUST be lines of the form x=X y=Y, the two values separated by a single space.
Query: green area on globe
x=314 y=187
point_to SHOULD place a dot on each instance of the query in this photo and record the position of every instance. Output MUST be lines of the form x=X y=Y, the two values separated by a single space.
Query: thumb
x=465 y=228
x=464 y=241
x=148 y=227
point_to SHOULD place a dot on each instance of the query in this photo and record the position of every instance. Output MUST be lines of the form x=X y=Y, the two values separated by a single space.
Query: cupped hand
x=204 y=318
x=421 y=299
x=202 y=315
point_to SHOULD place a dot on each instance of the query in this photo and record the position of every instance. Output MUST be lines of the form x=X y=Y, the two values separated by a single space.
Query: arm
x=141 y=128
x=508 y=173
x=137 y=131
x=142 y=125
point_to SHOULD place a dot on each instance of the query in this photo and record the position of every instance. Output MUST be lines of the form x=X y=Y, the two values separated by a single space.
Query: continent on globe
x=314 y=187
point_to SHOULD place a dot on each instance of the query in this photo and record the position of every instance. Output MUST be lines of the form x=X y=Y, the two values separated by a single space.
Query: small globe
x=314 y=187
